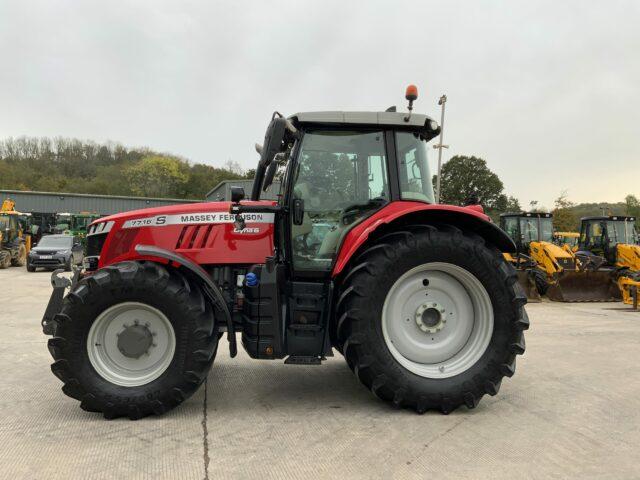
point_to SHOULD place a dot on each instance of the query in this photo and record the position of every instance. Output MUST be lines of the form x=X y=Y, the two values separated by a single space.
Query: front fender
x=211 y=290
x=413 y=212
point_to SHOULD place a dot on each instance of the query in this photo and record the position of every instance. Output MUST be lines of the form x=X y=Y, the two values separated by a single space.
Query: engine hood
x=169 y=210
x=203 y=232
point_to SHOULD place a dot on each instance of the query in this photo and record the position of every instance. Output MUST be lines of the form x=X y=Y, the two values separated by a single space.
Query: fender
x=469 y=218
x=211 y=290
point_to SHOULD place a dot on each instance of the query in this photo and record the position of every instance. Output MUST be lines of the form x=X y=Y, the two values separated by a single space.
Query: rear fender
x=406 y=213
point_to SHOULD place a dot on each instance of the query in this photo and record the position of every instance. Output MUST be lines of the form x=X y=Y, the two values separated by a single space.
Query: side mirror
x=237 y=194
x=270 y=175
x=298 y=211
x=273 y=140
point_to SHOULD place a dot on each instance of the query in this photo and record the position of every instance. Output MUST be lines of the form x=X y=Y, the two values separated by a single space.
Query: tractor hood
x=202 y=232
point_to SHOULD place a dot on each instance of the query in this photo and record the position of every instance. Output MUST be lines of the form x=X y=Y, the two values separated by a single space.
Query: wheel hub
x=131 y=344
x=437 y=320
x=430 y=317
x=135 y=340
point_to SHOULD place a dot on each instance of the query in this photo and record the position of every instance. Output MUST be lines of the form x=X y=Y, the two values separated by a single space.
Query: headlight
x=63 y=252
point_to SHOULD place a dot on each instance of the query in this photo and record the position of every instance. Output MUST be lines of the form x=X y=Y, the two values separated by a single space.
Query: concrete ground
x=571 y=411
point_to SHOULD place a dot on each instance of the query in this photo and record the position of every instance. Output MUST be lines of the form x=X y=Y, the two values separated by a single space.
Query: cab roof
x=416 y=122
x=614 y=218
x=527 y=214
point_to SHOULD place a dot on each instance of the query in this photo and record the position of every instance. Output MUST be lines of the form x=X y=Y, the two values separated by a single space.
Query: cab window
x=413 y=168
x=342 y=178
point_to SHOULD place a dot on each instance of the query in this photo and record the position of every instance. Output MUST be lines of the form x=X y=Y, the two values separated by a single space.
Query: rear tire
x=363 y=308
x=135 y=288
x=21 y=259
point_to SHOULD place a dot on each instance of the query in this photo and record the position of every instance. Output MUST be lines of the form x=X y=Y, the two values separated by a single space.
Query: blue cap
x=251 y=279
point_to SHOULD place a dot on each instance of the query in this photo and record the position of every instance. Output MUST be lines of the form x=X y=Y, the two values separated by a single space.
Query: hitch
x=59 y=284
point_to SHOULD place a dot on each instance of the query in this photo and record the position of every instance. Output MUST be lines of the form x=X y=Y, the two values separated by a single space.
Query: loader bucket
x=528 y=284
x=589 y=286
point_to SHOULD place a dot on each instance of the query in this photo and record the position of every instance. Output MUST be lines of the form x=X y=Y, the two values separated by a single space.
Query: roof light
x=412 y=93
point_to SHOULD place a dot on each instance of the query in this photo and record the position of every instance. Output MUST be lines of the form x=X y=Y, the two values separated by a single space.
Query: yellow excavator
x=615 y=240
x=14 y=243
x=546 y=268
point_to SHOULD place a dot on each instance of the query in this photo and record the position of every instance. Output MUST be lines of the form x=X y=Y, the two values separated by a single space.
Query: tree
x=633 y=207
x=564 y=219
x=464 y=176
x=157 y=176
x=508 y=204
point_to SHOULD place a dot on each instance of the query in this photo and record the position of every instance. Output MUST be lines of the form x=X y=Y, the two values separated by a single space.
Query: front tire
x=133 y=339
x=431 y=318
x=5 y=258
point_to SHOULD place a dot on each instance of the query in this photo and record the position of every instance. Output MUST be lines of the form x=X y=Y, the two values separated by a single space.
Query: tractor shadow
x=236 y=386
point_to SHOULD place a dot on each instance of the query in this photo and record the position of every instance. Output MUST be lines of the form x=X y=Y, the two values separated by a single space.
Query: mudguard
x=468 y=218
x=211 y=290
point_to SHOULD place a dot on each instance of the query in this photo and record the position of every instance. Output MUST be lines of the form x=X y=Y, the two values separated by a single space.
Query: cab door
x=340 y=178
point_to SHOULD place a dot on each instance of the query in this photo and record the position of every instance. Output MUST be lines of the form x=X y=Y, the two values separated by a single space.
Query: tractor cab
x=337 y=169
x=527 y=227
x=603 y=235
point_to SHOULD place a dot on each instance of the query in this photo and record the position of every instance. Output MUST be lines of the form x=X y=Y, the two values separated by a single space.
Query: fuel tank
x=203 y=232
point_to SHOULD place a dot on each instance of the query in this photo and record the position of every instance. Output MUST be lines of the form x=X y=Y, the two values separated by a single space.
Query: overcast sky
x=545 y=91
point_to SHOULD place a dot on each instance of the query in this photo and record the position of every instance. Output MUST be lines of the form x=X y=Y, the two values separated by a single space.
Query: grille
x=95 y=243
x=194 y=236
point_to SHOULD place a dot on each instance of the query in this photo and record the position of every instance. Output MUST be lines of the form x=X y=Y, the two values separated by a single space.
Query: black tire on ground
x=358 y=330
x=21 y=259
x=540 y=279
x=68 y=266
x=5 y=258
x=180 y=300
x=30 y=268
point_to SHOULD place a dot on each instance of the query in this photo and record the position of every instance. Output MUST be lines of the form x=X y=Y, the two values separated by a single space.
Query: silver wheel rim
x=437 y=320
x=119 y=366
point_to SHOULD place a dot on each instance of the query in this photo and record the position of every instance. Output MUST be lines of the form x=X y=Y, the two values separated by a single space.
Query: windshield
x=413 y=165
x=529 y=229
x=63 y=221
x=56 y=242
x=621 y=232
x=82 y=222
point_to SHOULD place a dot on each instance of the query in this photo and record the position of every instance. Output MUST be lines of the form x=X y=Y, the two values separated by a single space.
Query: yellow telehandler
x=545 y=268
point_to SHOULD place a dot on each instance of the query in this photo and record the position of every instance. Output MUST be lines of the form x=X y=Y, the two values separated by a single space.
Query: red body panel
x=359 y=234
x=205 y=242
x=217 y=242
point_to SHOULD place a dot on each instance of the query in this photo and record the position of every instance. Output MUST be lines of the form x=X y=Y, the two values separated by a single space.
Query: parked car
x=55 y=251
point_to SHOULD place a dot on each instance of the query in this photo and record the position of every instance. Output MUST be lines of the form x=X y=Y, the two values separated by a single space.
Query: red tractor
x=354 y=256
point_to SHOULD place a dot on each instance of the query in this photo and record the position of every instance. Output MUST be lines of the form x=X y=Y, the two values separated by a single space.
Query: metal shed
x=222 y=191
x=49 y=202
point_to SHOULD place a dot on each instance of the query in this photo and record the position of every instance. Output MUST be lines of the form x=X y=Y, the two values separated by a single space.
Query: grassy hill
x=78 y=166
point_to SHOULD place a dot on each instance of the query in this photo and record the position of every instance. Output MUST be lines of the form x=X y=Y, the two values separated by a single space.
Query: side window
x=413 y=168
x=342 y=178
x=511 y=227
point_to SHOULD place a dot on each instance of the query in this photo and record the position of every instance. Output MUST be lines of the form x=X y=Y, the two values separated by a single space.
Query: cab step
x=302 y=360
